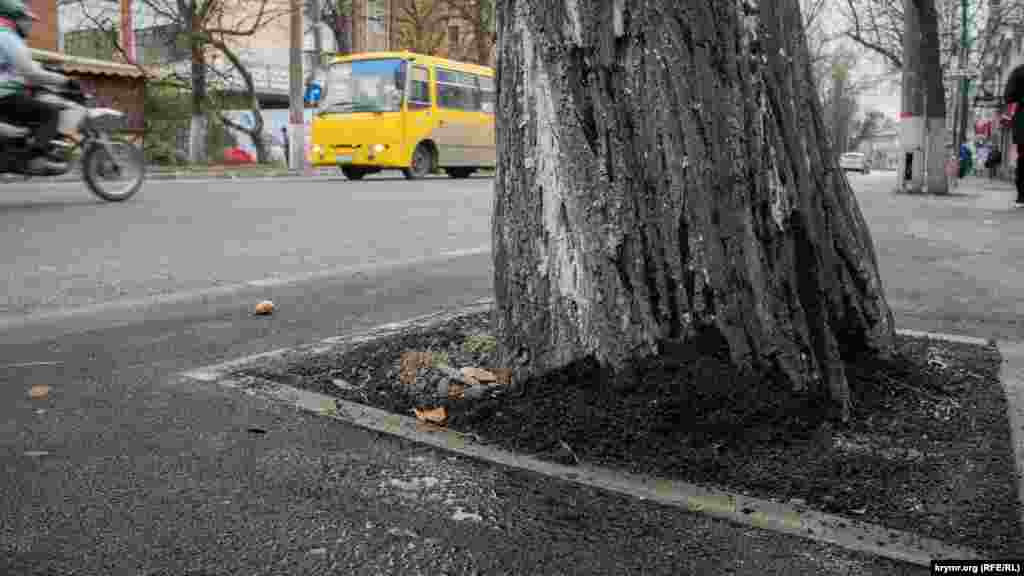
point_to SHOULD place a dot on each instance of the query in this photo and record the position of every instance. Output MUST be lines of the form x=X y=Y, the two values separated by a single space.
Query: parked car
x=855 y=161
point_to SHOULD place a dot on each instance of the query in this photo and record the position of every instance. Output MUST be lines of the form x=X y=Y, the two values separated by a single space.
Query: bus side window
x=419 y=88
x=457 y=90
x=486 y=94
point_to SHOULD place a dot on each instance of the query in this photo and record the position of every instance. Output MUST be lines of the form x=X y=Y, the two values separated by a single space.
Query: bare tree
x=208 y=27
x=478 y=16
x=422 y=24
x=878 y=26
x=337 y=16
x=664 y=177
x=830 y=53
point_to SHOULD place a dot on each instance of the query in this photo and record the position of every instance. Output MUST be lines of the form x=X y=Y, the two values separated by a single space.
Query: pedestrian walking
x=966 y=161
x=287 y=146
x=995 y=160
x=1018 y=140
x=983 y=151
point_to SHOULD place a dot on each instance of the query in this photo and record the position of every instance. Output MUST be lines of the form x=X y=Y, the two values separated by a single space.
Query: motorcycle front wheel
x=113 y=179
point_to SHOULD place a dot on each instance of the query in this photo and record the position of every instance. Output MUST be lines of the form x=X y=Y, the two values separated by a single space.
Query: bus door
x=419 y=114
x=459 y=120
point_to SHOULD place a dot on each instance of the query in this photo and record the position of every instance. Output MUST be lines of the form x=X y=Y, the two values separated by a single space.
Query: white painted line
x=1011 y=373
x=214 y=372
x=138 y=305
x=955 y=338
x=29 y=364
x=733 y=507
x=467 y=252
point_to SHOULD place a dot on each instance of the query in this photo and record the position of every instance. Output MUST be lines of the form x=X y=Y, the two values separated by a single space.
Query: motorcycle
x=85 y=128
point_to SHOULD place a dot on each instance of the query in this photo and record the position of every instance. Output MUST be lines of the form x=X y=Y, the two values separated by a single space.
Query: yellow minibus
x=404 y=111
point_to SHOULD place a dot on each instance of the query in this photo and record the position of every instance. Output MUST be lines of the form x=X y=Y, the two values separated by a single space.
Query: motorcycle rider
x=17 y=71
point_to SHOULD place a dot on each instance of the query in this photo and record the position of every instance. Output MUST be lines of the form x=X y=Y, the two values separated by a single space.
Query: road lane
x=60 y=249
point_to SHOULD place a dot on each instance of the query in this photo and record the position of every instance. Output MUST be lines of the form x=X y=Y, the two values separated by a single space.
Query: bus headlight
x=318 y=150
x=378 y=148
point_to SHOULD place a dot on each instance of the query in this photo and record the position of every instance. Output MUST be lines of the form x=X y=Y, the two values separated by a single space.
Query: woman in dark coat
x=1014 y=94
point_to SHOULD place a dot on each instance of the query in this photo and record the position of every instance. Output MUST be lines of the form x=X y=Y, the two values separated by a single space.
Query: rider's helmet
x=17 y=12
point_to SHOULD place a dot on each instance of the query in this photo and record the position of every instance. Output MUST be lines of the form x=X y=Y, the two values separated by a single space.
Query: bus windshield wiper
x=339 y=106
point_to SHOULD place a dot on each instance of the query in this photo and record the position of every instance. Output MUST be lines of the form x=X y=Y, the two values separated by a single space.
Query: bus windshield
x=365 y=86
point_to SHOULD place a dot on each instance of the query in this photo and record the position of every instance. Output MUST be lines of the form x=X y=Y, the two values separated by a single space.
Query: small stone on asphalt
x=459 y=516
x=338 y=382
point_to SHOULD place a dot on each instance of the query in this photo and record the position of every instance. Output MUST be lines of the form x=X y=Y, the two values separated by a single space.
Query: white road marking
x=135 y=307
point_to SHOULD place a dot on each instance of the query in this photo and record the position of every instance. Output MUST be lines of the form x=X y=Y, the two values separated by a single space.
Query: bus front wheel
x=353 y=173
x=422 y=163
x=460 y=172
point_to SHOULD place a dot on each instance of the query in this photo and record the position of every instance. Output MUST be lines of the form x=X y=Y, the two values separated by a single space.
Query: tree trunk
x=256 y=132
x=664 y=173
x=935 y=96
x=482 y=34
x=198 y=144
x=923 y=121
x=342 y=30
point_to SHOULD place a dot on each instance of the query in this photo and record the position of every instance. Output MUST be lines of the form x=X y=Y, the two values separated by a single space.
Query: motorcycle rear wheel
x=97 y=167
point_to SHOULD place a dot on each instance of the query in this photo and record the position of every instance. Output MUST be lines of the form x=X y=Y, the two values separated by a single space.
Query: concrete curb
x=1011 y=374
x=183 y=175
x=734 y=507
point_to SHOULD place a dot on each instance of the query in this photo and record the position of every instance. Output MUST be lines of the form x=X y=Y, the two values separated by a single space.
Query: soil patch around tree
x=928 y=449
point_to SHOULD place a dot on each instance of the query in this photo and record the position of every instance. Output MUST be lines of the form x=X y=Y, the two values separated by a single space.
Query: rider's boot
x=43 y=166
x=41 y=162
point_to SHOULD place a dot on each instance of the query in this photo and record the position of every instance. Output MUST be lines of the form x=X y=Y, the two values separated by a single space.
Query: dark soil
x=927 y=451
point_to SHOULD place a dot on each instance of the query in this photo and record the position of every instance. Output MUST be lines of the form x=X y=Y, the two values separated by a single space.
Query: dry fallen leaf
x=479 y=374
x=503 y=375
x=264 y=308
x=37 y=392
x=432 y=415
x=411 y=364
x=456 y=390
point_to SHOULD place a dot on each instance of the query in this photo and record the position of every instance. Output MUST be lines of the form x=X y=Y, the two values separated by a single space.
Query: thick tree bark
x=664 y=172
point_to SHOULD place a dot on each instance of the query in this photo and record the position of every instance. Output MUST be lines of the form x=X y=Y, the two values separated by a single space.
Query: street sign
x=313 y=93
x=961 y=73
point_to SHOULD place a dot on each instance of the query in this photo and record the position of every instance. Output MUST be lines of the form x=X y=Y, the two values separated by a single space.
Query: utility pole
x=128 y=31
x=297 y=125
x=960 y=123
x=315 y=16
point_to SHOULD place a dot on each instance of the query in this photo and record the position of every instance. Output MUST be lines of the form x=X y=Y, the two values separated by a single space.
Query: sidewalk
x=950 y=263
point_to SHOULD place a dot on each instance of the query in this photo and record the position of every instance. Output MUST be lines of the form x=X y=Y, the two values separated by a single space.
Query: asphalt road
x=61 y=248
x=124 y=468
